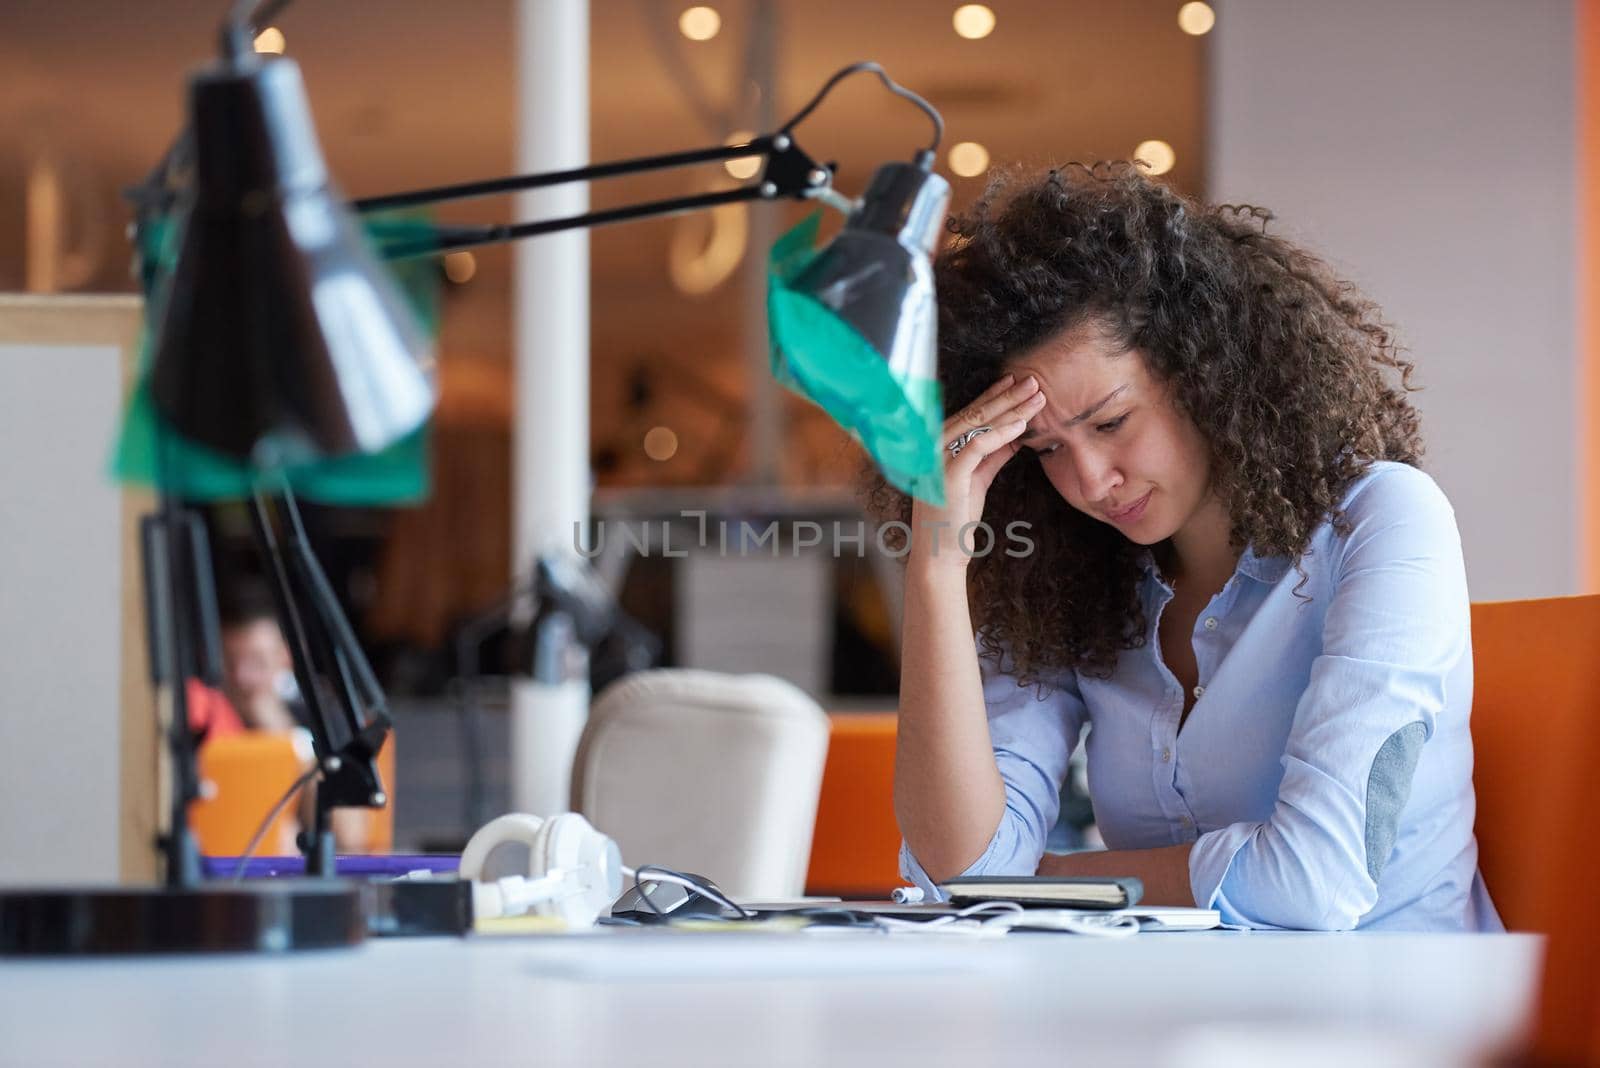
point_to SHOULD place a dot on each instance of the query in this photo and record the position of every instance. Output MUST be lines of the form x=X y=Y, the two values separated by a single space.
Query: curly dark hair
x=1288 y=372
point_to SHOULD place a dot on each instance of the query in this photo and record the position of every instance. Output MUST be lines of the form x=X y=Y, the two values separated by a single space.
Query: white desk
x=668 y=998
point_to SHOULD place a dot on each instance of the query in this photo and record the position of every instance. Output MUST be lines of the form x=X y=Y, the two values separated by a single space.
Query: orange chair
x=1536 y=738
x=855 y=846
x=248 y=773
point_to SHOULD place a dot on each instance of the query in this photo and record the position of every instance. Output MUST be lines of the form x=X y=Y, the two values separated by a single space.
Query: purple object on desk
x=355 y=866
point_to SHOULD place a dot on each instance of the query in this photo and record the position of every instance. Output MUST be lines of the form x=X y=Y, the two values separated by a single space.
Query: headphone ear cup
x=569 y=840
x=512 y=827
x=571 y=844
x=541 y=856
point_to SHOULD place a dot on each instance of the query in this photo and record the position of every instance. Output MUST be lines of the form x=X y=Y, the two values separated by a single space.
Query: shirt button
x=1211 y=623
x=1186 y=821
x=1166 y=755
x=1199 y=692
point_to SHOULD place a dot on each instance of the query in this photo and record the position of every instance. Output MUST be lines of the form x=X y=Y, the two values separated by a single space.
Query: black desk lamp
x=280 y=339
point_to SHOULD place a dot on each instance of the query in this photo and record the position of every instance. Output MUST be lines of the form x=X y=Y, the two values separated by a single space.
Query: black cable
x=645 y=894
x=261 y=831
x=469 y=729
x=890 y=83
x=695 y=884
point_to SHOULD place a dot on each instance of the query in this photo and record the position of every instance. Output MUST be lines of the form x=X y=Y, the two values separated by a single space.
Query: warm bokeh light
x=270 y=40
x=1157 y=154
x=973 y=21
x=969 y=159
x=660 y=443
x=459 y=267
x=699 y=23
x=707 y=247
x=745 y=166
x=1196 y=18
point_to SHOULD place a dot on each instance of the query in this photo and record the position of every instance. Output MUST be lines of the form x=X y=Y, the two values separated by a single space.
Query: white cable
x=657 y=876
x=516 y=894
x=966 y=921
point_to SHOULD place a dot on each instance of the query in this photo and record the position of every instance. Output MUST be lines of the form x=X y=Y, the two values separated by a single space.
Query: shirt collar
x=1268 y=569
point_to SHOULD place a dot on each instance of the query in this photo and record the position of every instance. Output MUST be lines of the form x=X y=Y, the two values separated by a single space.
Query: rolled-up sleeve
x=1033 y=735
x=1395 y=633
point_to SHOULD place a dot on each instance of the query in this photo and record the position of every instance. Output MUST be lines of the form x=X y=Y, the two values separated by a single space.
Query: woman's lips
x=1132 y=512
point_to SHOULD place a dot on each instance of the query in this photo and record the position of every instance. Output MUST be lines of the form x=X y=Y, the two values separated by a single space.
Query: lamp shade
x=854 y=326
x=280 y=336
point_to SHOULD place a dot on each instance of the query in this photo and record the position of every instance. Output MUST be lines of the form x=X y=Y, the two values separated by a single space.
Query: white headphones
x=574 y=871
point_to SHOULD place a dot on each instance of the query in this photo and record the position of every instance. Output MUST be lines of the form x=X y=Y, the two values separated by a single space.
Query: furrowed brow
x=1089 y=414
x=1033 y=433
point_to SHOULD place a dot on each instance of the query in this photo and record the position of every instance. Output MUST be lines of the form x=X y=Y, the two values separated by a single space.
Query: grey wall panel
x=60 y=614
x=1428 y=149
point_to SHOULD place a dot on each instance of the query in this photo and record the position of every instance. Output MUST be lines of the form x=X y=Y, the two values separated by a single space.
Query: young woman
x=1233 y=572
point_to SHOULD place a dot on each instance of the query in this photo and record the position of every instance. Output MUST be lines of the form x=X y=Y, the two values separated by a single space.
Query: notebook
x=1046 y=890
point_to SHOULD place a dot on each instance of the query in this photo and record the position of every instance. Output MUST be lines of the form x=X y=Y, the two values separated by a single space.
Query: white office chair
x=708 y=773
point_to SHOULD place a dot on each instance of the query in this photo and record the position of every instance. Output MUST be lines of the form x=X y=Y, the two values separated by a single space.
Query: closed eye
x=1108 y=427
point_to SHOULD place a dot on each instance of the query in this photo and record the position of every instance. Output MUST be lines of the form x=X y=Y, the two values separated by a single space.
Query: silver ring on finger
x=962 y=441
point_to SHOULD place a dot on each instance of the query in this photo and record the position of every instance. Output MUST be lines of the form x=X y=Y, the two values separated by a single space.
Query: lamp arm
x=761 y=146
x=789 y=173
x=453 y=238
x=348 y=716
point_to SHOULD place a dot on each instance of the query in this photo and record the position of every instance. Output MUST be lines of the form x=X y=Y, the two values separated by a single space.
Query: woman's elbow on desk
x=1257 y=876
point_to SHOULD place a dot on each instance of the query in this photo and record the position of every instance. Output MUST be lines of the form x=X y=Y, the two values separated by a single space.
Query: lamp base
x=244 y=918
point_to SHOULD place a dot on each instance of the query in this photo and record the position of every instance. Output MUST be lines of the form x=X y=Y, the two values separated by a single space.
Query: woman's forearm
x=1164 y=870
x=948 y=794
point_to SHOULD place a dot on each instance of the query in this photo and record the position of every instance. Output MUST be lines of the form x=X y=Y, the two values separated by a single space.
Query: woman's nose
x=1098 y=476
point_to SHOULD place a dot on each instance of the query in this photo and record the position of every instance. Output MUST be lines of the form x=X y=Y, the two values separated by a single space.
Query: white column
x=550 y=469
x=1427 y=148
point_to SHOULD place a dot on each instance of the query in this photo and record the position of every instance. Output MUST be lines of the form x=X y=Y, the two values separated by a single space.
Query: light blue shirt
x=1324 y=775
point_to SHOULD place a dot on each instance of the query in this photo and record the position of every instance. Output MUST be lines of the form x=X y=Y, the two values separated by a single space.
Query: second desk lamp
x=280 y=341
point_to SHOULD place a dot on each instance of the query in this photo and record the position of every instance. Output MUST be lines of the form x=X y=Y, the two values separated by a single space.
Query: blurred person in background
x=258 y=673
x=258 y=669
